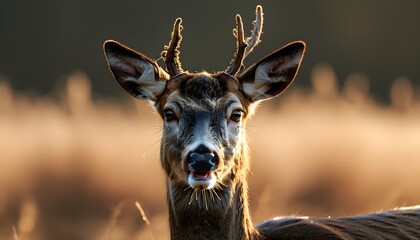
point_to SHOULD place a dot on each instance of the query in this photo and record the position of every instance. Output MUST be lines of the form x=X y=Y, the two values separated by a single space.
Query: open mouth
x=200 y=175
x=201 y=180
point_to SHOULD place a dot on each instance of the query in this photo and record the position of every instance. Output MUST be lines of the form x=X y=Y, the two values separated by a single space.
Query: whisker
x=150 y=147
x=223 y=184
x=191 y=197
x=158 y=130
x=196 y=194
x=214 y=191
x=211 y=194
x=197 y=199
x=220 y=186
x=205 y=198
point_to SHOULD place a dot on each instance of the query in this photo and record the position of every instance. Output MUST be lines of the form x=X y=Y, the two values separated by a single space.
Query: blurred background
x=76 y=152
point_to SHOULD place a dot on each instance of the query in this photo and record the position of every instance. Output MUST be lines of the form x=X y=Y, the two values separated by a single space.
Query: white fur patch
x=147 y=81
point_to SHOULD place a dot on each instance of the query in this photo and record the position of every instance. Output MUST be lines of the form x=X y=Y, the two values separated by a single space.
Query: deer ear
x=273 y=74
x=136 y=73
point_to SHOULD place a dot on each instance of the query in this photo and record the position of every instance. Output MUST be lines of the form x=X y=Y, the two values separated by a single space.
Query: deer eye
x=236 y=115
x=169 y=115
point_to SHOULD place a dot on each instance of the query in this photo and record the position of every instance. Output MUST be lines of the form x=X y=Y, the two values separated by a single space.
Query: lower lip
x=201 y=175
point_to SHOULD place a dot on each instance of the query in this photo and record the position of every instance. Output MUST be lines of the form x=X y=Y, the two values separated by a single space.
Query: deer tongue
x=201 y=175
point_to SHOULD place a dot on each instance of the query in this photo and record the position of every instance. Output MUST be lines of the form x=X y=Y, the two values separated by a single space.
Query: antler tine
x=254 y=40
x=241 y=45
x=171 y=52
x=244 y=47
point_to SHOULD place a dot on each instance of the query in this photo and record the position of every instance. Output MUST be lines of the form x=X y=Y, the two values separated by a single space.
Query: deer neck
x=206 y=214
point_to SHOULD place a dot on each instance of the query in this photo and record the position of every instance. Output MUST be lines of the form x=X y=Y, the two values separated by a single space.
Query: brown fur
x=222 y=213
x=394 y=224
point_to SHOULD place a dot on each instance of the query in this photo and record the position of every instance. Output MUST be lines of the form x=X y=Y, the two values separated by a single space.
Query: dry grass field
x=73 y=168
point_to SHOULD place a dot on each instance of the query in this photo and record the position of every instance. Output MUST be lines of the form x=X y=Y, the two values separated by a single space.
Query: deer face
x=204 y=114
x=202 y=128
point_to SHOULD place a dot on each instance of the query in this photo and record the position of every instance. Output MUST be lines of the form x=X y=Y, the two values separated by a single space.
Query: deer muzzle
x=201 y=166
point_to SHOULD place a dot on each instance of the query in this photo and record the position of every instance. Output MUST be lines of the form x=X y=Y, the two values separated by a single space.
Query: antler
x=171 y=52
x=244 y=47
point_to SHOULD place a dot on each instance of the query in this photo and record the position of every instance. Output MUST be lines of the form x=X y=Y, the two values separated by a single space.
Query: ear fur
x=273 y=74
x=136 y=73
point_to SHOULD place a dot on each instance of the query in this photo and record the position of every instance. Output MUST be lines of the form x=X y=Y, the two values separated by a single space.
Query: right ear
x=136 y=73
x=273 y=74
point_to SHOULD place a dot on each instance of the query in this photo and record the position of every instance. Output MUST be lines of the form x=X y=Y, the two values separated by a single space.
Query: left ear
x=135 y=72
x=273 y=74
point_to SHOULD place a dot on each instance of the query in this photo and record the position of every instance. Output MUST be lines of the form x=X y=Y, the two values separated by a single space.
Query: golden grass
x=75 y=168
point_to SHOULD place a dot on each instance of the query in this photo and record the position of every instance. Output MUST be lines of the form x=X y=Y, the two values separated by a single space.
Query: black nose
x=202 y=160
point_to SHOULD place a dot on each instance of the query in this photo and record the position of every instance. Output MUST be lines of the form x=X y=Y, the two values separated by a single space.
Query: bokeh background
x=76 y=152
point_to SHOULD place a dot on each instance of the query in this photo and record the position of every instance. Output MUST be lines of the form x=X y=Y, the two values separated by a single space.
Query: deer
x=204 y=152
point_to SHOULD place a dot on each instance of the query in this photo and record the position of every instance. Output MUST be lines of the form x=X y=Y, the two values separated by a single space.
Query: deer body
x=204 y=151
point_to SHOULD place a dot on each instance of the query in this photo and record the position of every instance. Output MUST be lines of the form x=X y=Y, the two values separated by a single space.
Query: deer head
x=203 y=141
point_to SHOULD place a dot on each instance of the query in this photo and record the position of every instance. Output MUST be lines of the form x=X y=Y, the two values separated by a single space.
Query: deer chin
x=201 y=180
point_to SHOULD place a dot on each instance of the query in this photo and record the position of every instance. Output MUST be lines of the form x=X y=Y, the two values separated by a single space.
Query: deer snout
x=201 y=162
x=202 y=159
